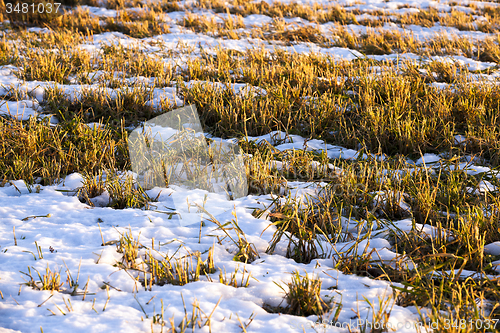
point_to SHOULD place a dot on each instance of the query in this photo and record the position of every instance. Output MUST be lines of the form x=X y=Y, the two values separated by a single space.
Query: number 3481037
x=25 y=8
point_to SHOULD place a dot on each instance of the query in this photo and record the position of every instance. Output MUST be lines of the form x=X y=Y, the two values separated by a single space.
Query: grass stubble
x=398 y=109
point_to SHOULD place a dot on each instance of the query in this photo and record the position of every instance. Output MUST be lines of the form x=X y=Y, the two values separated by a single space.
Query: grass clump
x=93 y=186
x=53 y=66
x=123 y=190
x=125 y=106
x=130 y=249
x=178 y=271
x=269 y=169
x=33 y=149
x=247 y=252
x=158 y=269
x=232 y=279
x=301 y=227
x=8 y=52
x=303 y=295
x=140 y=24
x=132 y=62
x=197 y=318
x=450 y=297
x=125 y=193
x=49 y=281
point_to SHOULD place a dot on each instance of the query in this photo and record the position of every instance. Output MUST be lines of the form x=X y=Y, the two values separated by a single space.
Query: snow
x=428 y=159
x=52 y=217
x=485 y=186
x=298 y=142
x=99 y=11
x=472 y=65
x=73 y=231
x=257 y=20
x=460 y=139
x=492 y=248
x=20 y=110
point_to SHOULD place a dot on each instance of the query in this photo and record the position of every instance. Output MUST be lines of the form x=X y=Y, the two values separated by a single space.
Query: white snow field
x=47 y=229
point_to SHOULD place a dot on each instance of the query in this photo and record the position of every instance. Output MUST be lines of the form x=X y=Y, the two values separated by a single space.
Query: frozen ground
x=71 y=229
x=47 y=226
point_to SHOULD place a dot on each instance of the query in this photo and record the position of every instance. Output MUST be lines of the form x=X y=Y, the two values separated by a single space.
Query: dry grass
x=377 y=107
x=233 y=278
x=49 y=281
x=178 y=271
x=32 y=149
x=303 y=296
x=153 y=271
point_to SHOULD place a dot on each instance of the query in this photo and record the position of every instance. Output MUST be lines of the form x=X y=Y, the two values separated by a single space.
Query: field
x=369 y=137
